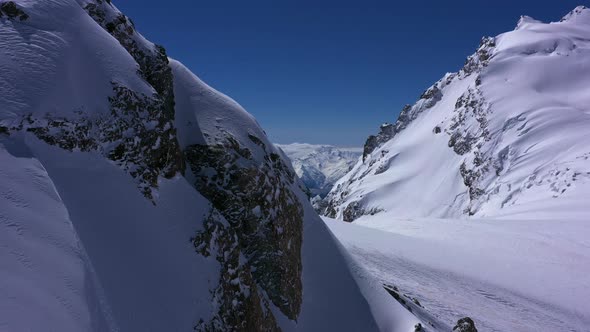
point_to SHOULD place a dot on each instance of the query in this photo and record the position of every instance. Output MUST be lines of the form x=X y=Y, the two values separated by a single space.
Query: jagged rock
x=153 y=63
x=135 y=135
x=465 y=325
x=480 y=58
x=416 y=302
x=418 y=327
x=352 y=212
x=501 y=122
x=393 y=291
x=240 y=307
x=319 y=205
x=261 y=208
x=388 y=131
x=109 y=93
x=11 y=10
x=370 y=145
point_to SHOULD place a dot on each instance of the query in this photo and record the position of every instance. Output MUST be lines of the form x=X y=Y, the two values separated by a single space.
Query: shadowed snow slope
x=115 y=166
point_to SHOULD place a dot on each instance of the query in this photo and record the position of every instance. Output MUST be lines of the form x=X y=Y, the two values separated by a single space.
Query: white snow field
x=477 y=202
x=320 y=166
x=510 y=275
x=82 y=249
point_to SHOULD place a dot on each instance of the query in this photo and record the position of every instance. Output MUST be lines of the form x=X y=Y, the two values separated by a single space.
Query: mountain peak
x=580 y=14
x=524 y=21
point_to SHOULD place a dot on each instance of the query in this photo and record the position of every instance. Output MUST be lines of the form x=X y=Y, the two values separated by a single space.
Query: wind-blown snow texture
x=509 y=275
x=477 y=196
x=505 y=137
x=320 y=166
x=109 y=220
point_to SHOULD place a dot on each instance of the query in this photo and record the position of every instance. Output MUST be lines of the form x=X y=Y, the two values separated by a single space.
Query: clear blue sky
x=327 y=71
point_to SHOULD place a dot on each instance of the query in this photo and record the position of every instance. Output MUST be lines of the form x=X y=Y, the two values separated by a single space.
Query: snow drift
x=116 y=169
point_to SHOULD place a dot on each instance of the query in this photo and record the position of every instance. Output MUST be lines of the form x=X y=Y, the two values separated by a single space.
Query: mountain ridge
x=119 y=163
x=474 y=134
x=319 y=166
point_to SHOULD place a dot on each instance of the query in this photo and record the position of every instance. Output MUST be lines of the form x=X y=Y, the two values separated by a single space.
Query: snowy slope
x=320 y=166
x=46 y=276
x=475 y=201
x=113 y=162
x=505 y=137
x=458 y=268
x=210 y=116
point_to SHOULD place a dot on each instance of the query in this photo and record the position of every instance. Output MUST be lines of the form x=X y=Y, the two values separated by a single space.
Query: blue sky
x=327 y=71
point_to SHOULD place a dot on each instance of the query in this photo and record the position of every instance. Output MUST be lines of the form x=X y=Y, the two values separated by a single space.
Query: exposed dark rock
x=393 y=291
x=330 y=211
x=470 y=178
x=437 y=130
x=465 y=325
x=240 y=307
x=370 y=145
x=386 y=132
x=416 y=302
x=260 y=206
x=352 y=212
x=467 y=140
x=153 y=62
x=409 y=113
x=461 y=144
x=11 y=10
x=478 y=81
x=480 y=58
x=319 y=205
x=135 y=135
x=418 y=328
x=257 y=141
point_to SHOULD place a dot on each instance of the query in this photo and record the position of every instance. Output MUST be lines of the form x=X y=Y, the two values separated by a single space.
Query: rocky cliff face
x=264 y=215
x=462 y=149
x=254 y=228
x=254 y=196
x=138 y=130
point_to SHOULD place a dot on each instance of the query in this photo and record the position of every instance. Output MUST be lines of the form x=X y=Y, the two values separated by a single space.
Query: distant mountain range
x=320 y=166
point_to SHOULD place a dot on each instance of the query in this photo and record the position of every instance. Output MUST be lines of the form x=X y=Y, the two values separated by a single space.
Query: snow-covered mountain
x=504 y=137
x=320 y=166
x=475 y=201
x=134 y=197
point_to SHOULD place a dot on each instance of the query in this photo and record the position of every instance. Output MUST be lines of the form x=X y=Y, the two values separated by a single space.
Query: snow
x=515 y=257
x=508 y=276
x=205 y=115
x=83 y=249
x=46 y=278
x=49 y=54
x=332 y=298
x=320 y=166
x=537 y=122
x=141 y=253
